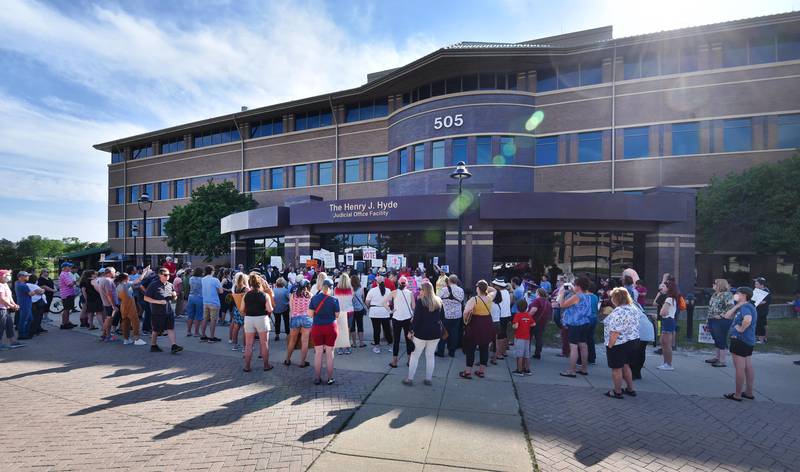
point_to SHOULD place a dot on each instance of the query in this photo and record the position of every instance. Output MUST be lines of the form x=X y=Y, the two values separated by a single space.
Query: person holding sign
x=743 y=338
x=762 y=299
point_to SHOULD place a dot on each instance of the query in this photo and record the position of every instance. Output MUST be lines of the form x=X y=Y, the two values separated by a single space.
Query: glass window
x=253 y=180
x=402 y=156
x=453 y=85
x=162 y=226
x=762 y=50
x=568 y=76
x=438 y=88
x=590 y=146
x=788 y=47
x=547 y=151
x=163 y=190
x=512 y=81
x=632 y=67
x=670 y=62
x=142 y=152
x=487 y=81
x=649 y=64
x=119 y=195
x=325 y=173
x=483 y=154
x=789 y=131
x=301 y=175
x=501 y=81
x=508 y=149
x=117 y=157
x=133 y=228
x=688 y=59
x=180 y=189
x=545 y=80
x=685 y=138
x=469 y=82
x=133 y=194
x=737 y=135
x=437 y=154
x=300 y=122
x=120 y=229
x=380 y=167
x=351 y=168
x=419 y=157
x=149 y=190
x=325 y=118
x=351 y=113
x=734 y=53
x=459 y=151
x=276 y=178
x=149 y=226
x=172 y=145
x=636 y=142
x=381 y=107
x=591 y=73
x=424 y=92
x=312 y=120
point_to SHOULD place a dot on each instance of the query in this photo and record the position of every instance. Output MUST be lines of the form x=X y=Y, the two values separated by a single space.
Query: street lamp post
x=134 y=233
x=460 y=173
x=145 y=204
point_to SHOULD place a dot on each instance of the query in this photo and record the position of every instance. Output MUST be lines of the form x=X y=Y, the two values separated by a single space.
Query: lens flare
x=509 y=149
x=535 y=120
x=499 y=160
x=461 y=203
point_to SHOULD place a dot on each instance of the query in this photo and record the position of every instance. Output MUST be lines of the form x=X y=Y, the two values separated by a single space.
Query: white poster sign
x=394 y=261
x=446 y=269
x=329 y=258
x=436 y=261
x=377 y=262
x=304 y=259
x=316 y=254
x=341 y=259
x=370 y=254
x=704 y=334
x=421 y=266
x=759 y=296
x=276 y=261
x=349 y=258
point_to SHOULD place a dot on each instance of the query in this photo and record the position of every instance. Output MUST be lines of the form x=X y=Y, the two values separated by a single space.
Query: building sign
x=430 y=207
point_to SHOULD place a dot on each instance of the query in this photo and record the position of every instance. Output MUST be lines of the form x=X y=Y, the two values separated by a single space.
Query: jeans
x=405 y=326
x=453 y=341
x=538 y=336
x=25 y=319
x=379 y=324
x=428 y=346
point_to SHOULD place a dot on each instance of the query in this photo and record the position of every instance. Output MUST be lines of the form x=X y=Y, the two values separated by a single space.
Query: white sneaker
x=139 y=342
x=665 y=367
x=376 y=350
x=126 y=342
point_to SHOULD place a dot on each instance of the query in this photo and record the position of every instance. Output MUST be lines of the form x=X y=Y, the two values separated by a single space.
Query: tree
x=35 y=251
x=194 y=227
x=758 y=210
x=8 y=254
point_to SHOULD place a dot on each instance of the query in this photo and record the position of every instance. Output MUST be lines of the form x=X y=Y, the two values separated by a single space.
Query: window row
x=217 y=136
x=462 y=83
x=165 y=190
x=172 y=145
x=133 y=228
x=572 y=75
x=366 y=110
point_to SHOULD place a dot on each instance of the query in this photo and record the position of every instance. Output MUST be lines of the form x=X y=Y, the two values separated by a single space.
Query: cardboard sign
x=436 y=261
x=377 y=262
x=329 y=259
x=316 y=254
x=370 y=254
x=349 y=258
x=445 y=268
x=421 y=266
x=759 y=295
x=704 y=334
x=276 y=261
x=304 y=259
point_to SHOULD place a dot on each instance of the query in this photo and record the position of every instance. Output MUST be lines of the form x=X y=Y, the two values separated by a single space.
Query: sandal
x=719 y=364
x=305 y=364
x=732 y=396
x=287 y=362
x=567 y=374
x=613 y=394
x=480 y=374
x=712 y=361
x=749 y=397
x=246 y=370
x=582 y=372
x=465 y=375
x=268 y=367
x=629 y=392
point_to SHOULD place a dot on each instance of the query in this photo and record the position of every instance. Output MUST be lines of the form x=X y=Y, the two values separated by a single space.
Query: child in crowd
x=523 y=324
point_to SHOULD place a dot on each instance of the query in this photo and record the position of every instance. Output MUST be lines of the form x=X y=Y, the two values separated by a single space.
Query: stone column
x=671 y=249
x=299 y=241
x=238 y=251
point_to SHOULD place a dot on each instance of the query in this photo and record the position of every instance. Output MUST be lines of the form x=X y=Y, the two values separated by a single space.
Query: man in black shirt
x=159 y=294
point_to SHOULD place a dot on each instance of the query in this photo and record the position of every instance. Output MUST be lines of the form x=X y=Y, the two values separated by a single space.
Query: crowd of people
x=430 y=313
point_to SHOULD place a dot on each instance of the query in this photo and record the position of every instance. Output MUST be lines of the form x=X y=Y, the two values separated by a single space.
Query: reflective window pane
x=545 y=80
x=459 y=151
x=789 y=131
x=380 y=167
x=591 y=73
x=547 y=151
x=685 y=138
x=483 y=153
x=636 y=142
x=276 y=178
x=762 y=50
x=568 y=76
x=590 y=146
x=351 y=170
x=325 y=173
x=437 y=154
x=737 y=135
x=254 y=180
x=301 y=175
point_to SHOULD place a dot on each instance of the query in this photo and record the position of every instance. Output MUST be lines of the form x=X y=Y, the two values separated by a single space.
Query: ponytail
x=382 y=288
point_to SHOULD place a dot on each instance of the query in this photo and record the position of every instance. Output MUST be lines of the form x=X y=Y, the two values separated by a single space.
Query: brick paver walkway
x=72 y=404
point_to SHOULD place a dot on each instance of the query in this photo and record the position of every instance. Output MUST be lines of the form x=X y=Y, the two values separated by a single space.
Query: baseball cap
x=745 y=290
x=22 y=273
x=66 y=264
x=327 y=283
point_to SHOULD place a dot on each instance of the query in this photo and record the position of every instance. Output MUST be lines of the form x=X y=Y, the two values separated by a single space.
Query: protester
x=576 y=317
x=7 y=304
x=67 y=291
x=359 y=310
x=621 y=338
x=541 y=311
x=194 y=306
x=324 y=310
x=211 y=290
x=647 y=334
x=38 y=306
x=558 y=313
x=426 y=330
x=668 y=324
x=92 y=302
x=743 y=339
x=478 y=329
x=344 y=295
x=523 y=324
x=642 y=291
x=46 y=284
x=452 y=297
x=763 y=311
x=403 y=301
x=159 y=295
x=719 y=304
x=257 y=307
x=104 y=284
x=128 y=311
x=240 y=288
x=170 y=266
x=545 y=284
x=377 y=299
x=225 y=300
x=177 y=283
x=503 y=300
x=299 y=322
x=25 y=309
x=281 y=313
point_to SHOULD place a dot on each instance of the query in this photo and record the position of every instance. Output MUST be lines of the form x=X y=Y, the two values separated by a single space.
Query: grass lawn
x=783 y=336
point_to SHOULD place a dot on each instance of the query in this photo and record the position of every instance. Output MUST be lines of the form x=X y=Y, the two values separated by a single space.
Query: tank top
x=481 y=307
x=299 y=306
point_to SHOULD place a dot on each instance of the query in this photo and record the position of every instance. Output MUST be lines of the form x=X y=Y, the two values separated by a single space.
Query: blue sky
x=76 y=73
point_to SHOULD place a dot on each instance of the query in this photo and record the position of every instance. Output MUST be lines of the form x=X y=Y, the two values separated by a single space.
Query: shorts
x=210 y=312
x=162 y=322
x=741 y=348
x=69 y=303
x=502 y=330
x=579 y=334
x=668 y=325
x=6 y=323
x=300 y=321
x=108 y=311
x=522 y=348
x=253 y=324
x=621 y=354
x=324 y=335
